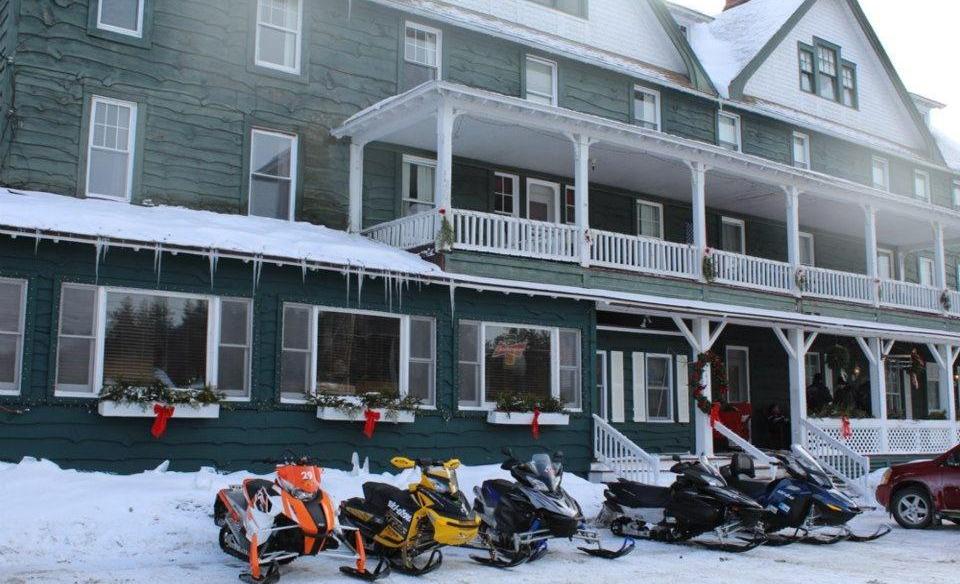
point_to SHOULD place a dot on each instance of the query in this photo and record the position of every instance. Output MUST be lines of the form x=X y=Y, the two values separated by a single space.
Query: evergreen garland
x=125 y=391
x=718 y=377
x=518 y=402
x=390 y=404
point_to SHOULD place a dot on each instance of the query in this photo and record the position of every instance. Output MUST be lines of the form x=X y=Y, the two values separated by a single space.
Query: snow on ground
x=63 y=526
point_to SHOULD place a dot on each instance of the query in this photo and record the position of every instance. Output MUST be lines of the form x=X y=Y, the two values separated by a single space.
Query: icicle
x=388 y=290
x=36 y=242
x=347 y=278
x=349 y=9
x=98 y=248
x=452 y=300
x=157 y=260
x=214 y=258
x=359 y=285
x=303 y=270
x=257 y=269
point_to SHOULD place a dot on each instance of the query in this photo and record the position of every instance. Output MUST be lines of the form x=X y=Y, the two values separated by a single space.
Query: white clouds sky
x=921 y=37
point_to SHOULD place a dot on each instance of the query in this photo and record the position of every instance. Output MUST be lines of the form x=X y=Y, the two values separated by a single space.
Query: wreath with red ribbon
x=718 y=377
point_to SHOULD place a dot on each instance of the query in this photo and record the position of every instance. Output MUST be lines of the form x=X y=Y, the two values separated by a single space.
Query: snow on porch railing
x=410 y=232
x=838 y=458
x=838 y=285
x=642 y=254
x=753 y=272
x=910 y=295
x=622 y=456
x=507 y=235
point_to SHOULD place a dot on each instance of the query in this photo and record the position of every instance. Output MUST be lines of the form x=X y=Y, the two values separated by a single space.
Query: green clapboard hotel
x=651 y=230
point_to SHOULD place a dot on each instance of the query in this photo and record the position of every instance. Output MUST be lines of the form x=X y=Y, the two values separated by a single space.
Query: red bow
x=845 y=430
x=372 y=416
x=714 y=414
x=160 y=422
x=535 y=426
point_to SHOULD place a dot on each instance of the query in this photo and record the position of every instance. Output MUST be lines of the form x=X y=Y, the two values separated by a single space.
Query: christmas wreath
x=718 y=376
x=708 y=266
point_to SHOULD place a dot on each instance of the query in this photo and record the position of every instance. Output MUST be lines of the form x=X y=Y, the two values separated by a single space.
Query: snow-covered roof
x=726 y=45
x=950 y=148
x=205 y=230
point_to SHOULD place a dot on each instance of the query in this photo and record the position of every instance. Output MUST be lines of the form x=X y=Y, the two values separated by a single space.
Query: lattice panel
x=911 y=439
x=865 y=440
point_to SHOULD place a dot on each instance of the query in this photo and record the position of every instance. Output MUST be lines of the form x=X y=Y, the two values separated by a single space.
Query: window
x=807 y=82
x=738 y=374
x=573 y=7
x=806 y=249
x=659 y=373
x=732 y=235
x=541 y=81
x=505 y=193
x=184 y=341
x=421 y=54
x=646 y=108
x=827 y=69
x=885 y=264
x=500 y=358
x=933 y=388
x=278 y=34
x=729 y=131
x=273 y=172
x=921 y=185
x=801 y=150
x=121 y=16
x=418 y=184
x=955 y=190
x=650 y=219
x=812 y=361
x=349 y=353
x=570 y=204
x=881 y=174
x=13 y=299
x=110 y=148
x=925 y=271
x=849 y=85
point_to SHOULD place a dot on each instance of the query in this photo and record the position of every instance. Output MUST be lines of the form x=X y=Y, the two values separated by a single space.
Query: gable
x=880 y=112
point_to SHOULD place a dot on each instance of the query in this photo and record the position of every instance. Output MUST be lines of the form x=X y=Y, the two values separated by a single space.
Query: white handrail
x=623 y=456
x=838 y=458
x=508 y=235
x=743 y=444
x=642 y=254
x=909 y=295
x=752 y=272
x=838 y=285
x=408 y=232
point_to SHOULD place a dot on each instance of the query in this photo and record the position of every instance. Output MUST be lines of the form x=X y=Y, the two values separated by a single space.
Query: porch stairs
x=848 y=469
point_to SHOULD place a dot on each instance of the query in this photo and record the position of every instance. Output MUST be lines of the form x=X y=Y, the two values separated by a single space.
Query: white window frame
x=893 y=263
x=515 y=195
x=743 y=232
x=805 y=163
x=556 y=197
x=405 y=187
x=554 y=362
x=298 y=53
x=640 y=203
x=745 y=351
x=294 y=153
x=955 y=192
x=131 y=145
x=603 y=387
x=669 y=419
x=137 y=32
x=99 y=339
x=926 y=178
x=429 y=30
x=403 y=371
x=567 y=207
x=656 y=95
x=554 y=99
x=806 y=239
x=736 y=127
x=885 y=165
x=923 y=261
x=14 y=388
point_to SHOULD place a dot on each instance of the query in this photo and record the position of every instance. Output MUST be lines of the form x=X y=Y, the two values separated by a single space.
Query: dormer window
x=827 y=68
x=823 y=72
x=807 y=82
x=421 y=54
x=849 y=84
x=646 y=107
x=921 y=185
x=728 y=132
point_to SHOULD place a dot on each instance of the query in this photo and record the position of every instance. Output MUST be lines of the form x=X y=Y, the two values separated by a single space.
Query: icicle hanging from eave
x=214 y=258
x=98 y=249
x=453 y=305
x=303 y=270
x=349 y=10
x=257 y=270
x=360 y=276
x=157 y=260
x=36 y=242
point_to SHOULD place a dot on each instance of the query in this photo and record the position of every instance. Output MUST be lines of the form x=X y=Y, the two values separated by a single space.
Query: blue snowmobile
x=804 y=500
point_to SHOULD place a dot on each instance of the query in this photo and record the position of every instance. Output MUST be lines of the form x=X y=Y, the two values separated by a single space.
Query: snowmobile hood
x=731 y=496
x=558 y=502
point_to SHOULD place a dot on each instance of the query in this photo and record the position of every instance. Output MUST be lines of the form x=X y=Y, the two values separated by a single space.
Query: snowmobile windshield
x=811 y=468
x=710 y=473
x=545 y=472
x=443 y=480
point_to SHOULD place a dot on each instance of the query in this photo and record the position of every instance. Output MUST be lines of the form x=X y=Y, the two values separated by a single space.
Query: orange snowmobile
x=269 y=524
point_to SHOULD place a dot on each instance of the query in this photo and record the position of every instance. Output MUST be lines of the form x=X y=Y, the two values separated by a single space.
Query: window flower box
x=337 y=415
x=124 y=409
x=526 y=419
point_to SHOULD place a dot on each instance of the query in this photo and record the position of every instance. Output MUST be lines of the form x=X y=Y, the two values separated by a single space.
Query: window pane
x=421 y=338
x=232 y=369
x=294 y=370
x=468 y=378
x=737 y=375
x=233 y=322
x=277 y=47
x=8 y=359
x=11 y=306
x=570 y=387
x=420 y=384
x=730 y=237
x=270 y=197
x=296 y=327
x=645 y=109
x=155 y=338
x=358 y=353
x=468 y=342
x=728 y=132
x=650 y=220
x=271 y=154
x=420 y=47
x=77 y=310
x=74 y=359
x=569 y=349
x=123 y=14
x=540 y=81
x=278 y=33
x=517 y=360
x=108 y=173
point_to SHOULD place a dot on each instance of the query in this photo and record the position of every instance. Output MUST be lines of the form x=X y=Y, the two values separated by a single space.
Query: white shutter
x=683 y=390
x=616 y=387
x=639 y=388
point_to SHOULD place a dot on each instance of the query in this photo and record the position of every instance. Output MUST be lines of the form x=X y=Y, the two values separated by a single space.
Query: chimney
x=733 y=4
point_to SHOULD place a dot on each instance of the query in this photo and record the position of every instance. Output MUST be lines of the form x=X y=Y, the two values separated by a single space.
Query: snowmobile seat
x=377 y=495
x=633 y=494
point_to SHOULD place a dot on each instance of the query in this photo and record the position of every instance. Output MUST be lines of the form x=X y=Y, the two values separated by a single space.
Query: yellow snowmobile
x=404 y=525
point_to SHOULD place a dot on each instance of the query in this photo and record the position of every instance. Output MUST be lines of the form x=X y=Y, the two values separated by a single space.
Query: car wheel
x=912 y=508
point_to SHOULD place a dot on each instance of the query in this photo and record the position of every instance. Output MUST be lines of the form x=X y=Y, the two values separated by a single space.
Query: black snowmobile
x=517 y=518
x=699 y=502
x=804 y=501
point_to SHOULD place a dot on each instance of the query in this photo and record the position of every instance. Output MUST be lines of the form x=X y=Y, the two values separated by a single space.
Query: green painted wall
x=70 y=432
x=8 y=39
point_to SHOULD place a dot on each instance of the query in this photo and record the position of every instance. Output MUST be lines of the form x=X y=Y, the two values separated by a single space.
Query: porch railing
x=875 y=436
x=643 y=254
x=508 y=235
x=909 y=295
x=622 y=456
x=409 y=232
x=753 y=272
x=838 y=458
x=837 y=285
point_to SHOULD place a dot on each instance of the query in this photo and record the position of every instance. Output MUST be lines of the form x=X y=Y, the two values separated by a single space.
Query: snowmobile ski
x=607 y=554
x=270 y=576
x=382 y=570
x=880 y=532
x=410 y=569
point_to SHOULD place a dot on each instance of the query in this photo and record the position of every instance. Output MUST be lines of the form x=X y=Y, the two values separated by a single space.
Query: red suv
x=917 y=493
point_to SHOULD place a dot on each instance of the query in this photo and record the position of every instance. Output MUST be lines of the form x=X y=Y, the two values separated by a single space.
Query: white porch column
x=798 y=384
x=940 y=264
x=874 y=350
x=704 y=431
x=444 y=178
x=581 y=152
x=793 y=229
x=355 y=217
x=870 y=237
x=945 y=356
x=698 y=184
